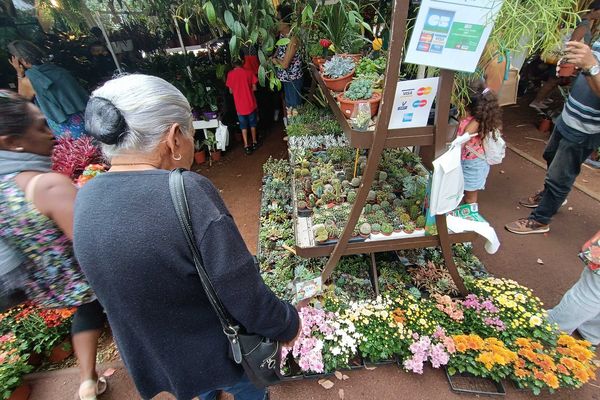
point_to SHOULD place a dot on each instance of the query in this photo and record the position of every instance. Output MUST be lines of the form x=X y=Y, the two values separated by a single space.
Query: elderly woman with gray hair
x=132 y=249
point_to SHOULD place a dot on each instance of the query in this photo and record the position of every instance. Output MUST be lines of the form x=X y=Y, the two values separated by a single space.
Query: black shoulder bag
x=259 y=356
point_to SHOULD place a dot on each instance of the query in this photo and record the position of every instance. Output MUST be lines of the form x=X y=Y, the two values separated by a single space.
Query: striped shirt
x=580 y=119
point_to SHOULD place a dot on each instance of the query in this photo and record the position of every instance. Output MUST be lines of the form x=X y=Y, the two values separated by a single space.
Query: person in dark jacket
x=53 y=89
x=132 y=249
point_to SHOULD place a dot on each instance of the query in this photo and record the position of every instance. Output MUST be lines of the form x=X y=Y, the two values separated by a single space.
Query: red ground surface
x=239 y=178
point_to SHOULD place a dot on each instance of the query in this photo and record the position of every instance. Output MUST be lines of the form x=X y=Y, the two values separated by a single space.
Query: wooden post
x=397 y=37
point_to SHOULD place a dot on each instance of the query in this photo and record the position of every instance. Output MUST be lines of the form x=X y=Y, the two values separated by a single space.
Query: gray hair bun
x=104 y=121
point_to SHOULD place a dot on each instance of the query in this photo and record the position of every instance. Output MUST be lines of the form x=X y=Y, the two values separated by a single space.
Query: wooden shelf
x=307 y=248
x=364 y=140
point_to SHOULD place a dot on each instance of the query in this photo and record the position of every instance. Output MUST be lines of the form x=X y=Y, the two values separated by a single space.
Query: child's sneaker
x=248 y=150
x=538 y=106
x=526 y=226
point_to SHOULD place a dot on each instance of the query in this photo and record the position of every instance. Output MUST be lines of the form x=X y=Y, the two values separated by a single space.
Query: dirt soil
x=238 y=178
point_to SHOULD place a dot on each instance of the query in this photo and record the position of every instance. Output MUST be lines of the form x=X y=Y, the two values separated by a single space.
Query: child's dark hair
x=285 y=13
x=483 y=106
x=15 y=116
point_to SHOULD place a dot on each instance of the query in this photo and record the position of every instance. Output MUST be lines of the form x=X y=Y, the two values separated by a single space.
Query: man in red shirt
x=242 y=85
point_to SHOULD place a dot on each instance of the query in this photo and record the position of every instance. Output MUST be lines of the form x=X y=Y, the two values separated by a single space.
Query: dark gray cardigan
x=130 y=246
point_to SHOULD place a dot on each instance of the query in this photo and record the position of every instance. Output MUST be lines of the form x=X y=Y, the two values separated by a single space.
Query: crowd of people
x=94 y=252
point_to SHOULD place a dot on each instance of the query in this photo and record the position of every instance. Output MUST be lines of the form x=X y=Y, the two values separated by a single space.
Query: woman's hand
x=14 y=61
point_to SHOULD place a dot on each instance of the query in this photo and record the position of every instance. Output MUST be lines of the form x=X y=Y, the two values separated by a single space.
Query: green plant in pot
x=387 y=229
x=338 y=72
x=211 y=144
x=200 y=152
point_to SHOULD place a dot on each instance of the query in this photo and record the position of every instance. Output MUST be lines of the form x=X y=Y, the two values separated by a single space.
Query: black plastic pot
x=464 y=382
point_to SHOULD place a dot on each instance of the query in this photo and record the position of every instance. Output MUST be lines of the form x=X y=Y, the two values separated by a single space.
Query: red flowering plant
x=325 y=44
x=39 y=330
x=71 y=156
x=12 y=365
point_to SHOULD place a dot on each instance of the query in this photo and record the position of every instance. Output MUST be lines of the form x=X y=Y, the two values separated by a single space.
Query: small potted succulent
x=387 y=229
x=365 y=230
x=359 y=91
x=337 y=72
x=320 y=233
x=409 y=227
x=376 y=228
x=420 y=223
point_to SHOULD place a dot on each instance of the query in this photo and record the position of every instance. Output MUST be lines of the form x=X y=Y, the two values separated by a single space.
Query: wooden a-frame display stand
x=432 y=137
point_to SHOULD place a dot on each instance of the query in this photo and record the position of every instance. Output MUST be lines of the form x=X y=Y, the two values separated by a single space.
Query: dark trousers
x=564 y=159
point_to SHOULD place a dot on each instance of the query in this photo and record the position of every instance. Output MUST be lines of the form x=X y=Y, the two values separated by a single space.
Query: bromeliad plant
x=71 y=156
x=342 y=23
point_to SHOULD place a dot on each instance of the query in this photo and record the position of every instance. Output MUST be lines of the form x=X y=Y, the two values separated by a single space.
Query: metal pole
x=108 y=43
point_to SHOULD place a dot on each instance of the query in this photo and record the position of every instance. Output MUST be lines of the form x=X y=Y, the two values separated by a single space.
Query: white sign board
x=452 y=34
x=413 y=102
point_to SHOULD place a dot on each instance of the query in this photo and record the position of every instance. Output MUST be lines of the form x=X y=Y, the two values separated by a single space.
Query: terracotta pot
x=318 y=62
x=347 y=106
x=215 y=155
x=61 y=352
x=355 y=57
x=339 y=84
x=200 y=157
x=21 y=393
x=545 y=125
x=566 y=70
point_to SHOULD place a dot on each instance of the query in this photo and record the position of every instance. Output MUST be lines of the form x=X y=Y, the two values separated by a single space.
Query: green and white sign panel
x=452 y=34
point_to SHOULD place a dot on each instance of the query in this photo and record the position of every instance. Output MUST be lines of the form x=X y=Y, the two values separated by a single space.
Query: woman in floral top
x=579 y=309
x=36 y=229
x=483 y=118
x=287 y=59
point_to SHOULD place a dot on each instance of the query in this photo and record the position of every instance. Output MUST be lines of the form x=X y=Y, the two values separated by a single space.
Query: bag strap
x=478 y=154
x=177 y=189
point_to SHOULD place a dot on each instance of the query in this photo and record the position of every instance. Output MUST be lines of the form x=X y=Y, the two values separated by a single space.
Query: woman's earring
x=177 y=158
x=19 y=149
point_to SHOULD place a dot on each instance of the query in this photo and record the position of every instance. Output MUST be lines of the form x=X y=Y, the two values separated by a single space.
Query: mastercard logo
x=419 y=103
x=424 y=91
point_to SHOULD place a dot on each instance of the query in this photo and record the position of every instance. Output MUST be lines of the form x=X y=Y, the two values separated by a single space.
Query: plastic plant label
x=307 y=289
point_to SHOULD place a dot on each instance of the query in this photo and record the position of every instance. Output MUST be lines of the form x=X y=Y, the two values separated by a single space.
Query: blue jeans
x=293 y=92
x=243 y=390
x=564 y=159
x=580 y=308
x=247 y=121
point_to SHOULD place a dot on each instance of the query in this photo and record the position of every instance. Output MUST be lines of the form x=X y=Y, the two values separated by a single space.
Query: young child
x=242 y=85
x=483 y=117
